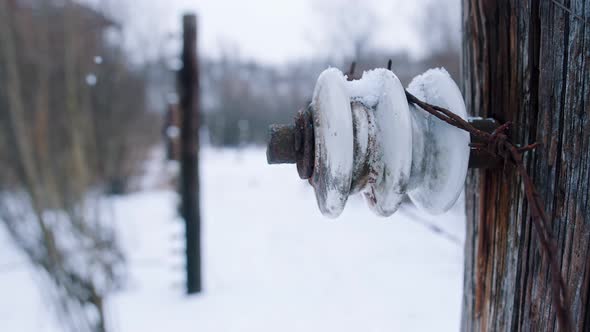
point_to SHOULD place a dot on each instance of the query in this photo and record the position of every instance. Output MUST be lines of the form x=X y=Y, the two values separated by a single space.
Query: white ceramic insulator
x=391 y=158
x=369 y=139
x=440 y=151
x=333 y=132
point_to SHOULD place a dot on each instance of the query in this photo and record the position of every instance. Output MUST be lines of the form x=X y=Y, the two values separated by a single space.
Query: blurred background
x=91 y=237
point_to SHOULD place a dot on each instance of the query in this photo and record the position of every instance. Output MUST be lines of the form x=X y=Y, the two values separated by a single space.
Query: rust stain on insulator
x=304 y=143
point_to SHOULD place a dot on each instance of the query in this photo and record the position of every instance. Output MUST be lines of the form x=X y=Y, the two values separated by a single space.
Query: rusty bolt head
x=290 y=144
x=281 y=144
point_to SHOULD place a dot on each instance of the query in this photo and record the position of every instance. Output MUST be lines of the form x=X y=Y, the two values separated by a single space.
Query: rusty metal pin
x=289 y=143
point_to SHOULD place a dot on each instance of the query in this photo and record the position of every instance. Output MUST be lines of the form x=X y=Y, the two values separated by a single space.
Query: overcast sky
x=273 y=31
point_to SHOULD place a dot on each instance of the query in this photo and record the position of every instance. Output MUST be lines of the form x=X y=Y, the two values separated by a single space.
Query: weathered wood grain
x=528 y=62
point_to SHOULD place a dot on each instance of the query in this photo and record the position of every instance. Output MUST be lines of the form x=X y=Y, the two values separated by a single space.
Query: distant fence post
x=188 y=86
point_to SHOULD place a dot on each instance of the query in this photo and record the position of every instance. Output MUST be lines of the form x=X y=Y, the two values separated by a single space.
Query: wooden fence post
x=189 y=159
x=528 y=62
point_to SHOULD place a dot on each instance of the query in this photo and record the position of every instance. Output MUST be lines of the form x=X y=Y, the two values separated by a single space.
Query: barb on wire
x=569 y=11
x=498 y=144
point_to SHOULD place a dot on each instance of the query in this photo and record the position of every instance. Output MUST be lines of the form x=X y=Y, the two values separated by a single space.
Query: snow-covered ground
x=271 y=261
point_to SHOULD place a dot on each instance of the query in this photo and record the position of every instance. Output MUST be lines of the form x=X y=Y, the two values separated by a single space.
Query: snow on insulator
x=332 y=119
x=367 y=139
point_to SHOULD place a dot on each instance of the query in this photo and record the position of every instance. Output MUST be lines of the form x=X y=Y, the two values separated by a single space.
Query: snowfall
x=271 y=261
